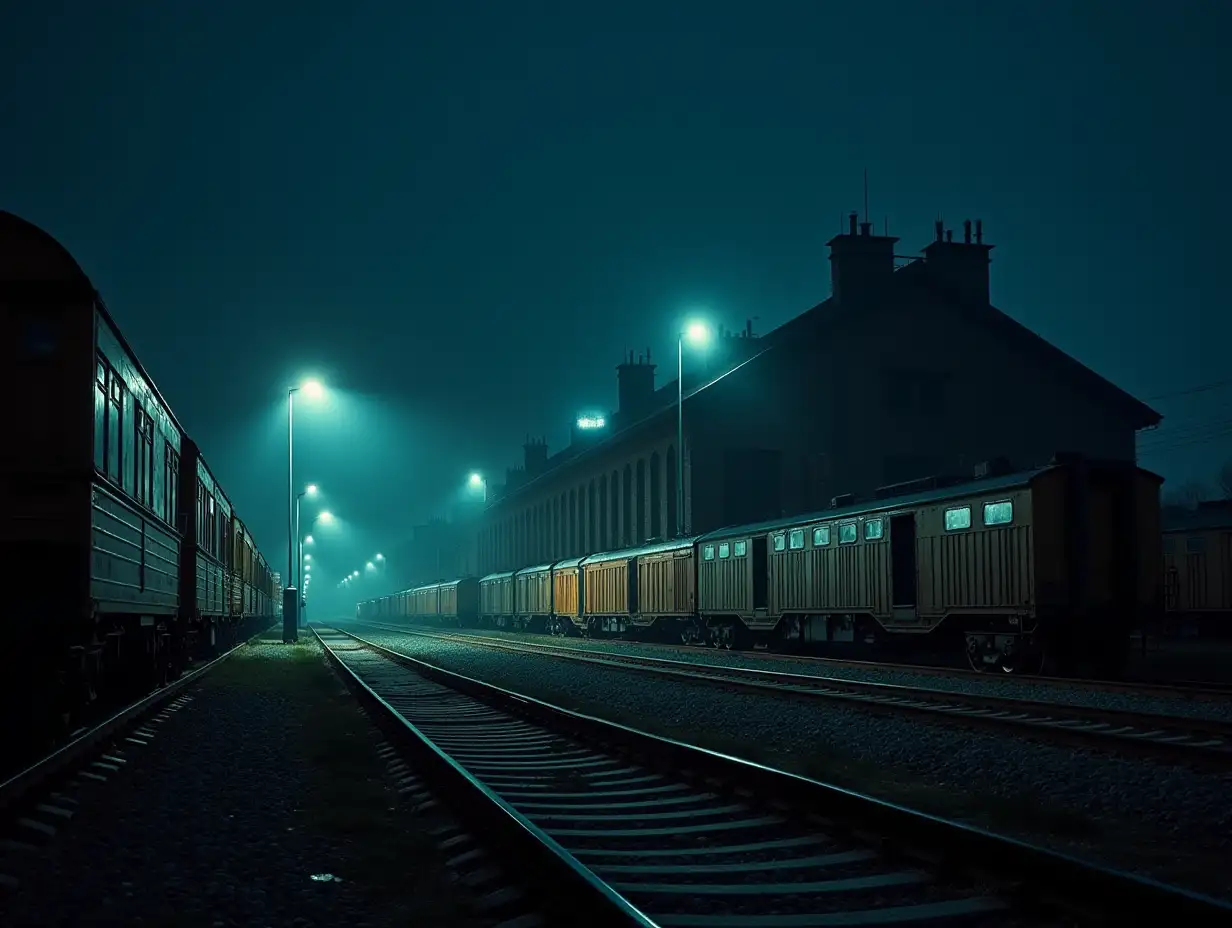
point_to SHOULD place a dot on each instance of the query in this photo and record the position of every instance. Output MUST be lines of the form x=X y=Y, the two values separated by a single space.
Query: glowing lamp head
x=476 y=481
x=697 y=333
x=311 y=489
x=312 y=389
x=325 y=518
x=308 y=540
x=370 y=566
x=380 y=556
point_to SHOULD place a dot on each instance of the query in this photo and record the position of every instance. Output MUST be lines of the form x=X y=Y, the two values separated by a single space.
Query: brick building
x=906 y=371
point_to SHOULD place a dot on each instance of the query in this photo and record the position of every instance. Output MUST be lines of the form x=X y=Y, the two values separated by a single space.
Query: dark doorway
x=759 y=572
x=902 y=560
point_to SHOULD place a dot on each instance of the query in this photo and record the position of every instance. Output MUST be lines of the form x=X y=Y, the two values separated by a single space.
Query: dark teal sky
x=462 y=213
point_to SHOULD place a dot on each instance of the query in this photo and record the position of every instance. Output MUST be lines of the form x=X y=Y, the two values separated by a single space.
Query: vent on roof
x=843 y=499
x=996 y=467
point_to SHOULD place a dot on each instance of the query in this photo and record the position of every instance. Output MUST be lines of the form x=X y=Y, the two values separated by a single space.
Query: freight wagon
x=1197 y=548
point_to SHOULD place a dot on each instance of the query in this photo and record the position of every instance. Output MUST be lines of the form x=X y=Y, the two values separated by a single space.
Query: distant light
x=311 y=489
x=380 y=556
x=370 y=566
x=476 y=480
x=591 y=422
x=325 y=518
x=697 y=333
x=308 y=540
x=307 y=557
x=313 y=389
x=355 y=573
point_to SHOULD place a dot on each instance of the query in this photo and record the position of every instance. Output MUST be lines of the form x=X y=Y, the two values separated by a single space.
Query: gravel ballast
x=1163 y=820
x=1013 y=688
x=261 y=802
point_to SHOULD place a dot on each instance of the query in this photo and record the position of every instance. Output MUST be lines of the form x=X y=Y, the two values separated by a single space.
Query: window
x=708 y=552
x=874 y=529
x=780 y=541
x=742 y=548
x=144 y=458
x=957 y=519
x=821 y=536
x=724 y=550
x=171 y=485
x=847 y=533
x=797 y=538
x=999 y=513
x=100 y=415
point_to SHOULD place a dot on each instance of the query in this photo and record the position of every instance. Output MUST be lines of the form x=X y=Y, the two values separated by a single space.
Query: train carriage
x=568 y=596
x=1061 y=559
x=532 y=598
x=459 y=601
x=633 y=589
x=496 y=600
x=1197 y=549
x=91 y=479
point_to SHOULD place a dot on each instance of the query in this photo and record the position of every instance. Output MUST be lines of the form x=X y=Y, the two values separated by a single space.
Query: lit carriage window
x=708 y=552
x=821 y=536
x=742 y=548
x=797 y=538
x=874 y=529
x=847 y=533
x=780 y=541
x=1001 y=513
x=957 y=519
x=724 y=550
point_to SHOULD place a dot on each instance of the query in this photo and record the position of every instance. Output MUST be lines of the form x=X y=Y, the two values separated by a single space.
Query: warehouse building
x=906 y=371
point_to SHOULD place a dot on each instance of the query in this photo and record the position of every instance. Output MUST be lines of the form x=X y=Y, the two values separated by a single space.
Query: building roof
x=912 y=278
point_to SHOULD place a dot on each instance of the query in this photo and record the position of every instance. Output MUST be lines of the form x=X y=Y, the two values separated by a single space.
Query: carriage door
x=902 y=562
x=759 y=572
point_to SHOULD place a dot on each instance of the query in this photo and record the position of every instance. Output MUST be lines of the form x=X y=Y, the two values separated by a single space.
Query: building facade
x=906 y=371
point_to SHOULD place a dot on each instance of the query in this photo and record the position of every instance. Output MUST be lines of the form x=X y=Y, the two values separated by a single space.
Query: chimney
x=961 y=267
x=534 y=456
x=861 y=264
x=635 y=387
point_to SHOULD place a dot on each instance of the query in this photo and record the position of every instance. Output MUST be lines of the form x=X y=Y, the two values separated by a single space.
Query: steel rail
x=1204 y=742
x=1039 y=881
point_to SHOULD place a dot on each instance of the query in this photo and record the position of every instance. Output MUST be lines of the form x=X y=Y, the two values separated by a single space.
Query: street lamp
x=697 y=334
x=313 y=390
x=325 y=518
x=477 y=482
x=380 y=556
x=307 y=539
x=310 y=490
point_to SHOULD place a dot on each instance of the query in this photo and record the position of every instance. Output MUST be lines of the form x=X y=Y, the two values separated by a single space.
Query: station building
x=906 y=371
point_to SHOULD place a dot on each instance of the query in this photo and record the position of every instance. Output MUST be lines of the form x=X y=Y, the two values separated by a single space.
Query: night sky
x=460 y=214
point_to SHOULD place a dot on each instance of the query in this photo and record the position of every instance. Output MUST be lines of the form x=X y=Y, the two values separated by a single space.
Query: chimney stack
x=961 y=267
x=861 y=263
x=635 y=387
x=534 y=456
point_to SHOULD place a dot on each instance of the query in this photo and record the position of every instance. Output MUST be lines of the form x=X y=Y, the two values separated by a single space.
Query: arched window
x=673 y=495
x=603 y=512
x=656 y=497
x=626 y=502
x=640 y=500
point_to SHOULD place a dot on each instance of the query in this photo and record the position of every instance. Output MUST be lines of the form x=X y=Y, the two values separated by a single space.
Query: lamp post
x=698 y=334
x=290 y=623
x=310 y=490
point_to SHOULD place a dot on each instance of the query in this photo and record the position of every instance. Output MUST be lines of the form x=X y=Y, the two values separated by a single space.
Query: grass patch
x=350 y=799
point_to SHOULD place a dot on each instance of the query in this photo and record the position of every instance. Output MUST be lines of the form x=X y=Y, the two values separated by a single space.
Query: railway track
x=40 y=799
x=632 y=829
x=1198 y=741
